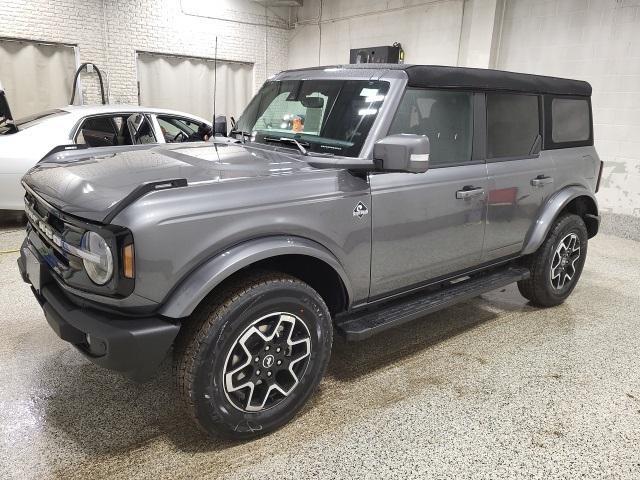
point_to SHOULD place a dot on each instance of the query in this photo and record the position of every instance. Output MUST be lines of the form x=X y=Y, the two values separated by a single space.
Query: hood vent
x=141 y=191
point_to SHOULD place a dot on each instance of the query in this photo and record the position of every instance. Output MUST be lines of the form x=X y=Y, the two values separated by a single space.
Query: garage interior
x=490 y=388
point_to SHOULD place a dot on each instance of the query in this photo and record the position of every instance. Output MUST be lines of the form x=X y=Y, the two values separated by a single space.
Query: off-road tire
x=203 y=350
x=538 y=288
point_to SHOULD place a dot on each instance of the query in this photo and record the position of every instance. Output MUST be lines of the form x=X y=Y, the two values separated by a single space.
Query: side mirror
x=220 y=126
x=402 y=153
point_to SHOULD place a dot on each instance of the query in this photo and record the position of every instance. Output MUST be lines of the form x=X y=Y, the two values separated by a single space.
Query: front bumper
x=130 y=345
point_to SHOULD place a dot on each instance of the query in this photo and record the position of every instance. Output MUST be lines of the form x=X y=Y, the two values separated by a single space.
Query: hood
x=95 y=183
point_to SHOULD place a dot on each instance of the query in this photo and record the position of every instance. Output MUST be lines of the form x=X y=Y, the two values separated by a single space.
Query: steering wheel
x=178 y=135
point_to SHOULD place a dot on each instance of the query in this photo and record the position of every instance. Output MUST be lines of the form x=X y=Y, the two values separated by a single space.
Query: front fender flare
x=192 y=290
x=550 y=212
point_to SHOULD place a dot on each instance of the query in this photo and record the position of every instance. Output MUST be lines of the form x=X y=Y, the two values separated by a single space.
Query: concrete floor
x=491 y=388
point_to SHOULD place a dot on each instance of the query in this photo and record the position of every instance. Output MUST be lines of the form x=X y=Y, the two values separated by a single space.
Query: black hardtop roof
x=440 y=76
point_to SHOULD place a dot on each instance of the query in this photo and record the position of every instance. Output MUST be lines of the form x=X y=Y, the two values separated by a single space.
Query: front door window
x=140 y=129
x=445 y=117
x=177 y=130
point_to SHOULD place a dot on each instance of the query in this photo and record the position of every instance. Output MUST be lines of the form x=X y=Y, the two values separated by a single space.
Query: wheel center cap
x=267 y=362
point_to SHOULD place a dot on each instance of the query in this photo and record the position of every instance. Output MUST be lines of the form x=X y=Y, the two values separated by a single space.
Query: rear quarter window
x=568 y=122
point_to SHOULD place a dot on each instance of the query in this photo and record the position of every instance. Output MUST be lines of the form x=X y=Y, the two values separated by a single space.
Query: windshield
x=327 y=116
x=23 y=123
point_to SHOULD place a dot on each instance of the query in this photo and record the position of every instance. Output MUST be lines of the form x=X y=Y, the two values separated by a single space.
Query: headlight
x=100 y=268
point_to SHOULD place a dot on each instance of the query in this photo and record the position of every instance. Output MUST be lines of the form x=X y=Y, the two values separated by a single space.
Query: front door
x=430 y=224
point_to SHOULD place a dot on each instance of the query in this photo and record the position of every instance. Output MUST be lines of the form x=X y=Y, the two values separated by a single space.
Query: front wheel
x=250 y=359
x=557 y=265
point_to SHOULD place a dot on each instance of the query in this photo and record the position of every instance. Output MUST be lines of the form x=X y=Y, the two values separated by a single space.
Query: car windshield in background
x=325 y=116
x=29 y=121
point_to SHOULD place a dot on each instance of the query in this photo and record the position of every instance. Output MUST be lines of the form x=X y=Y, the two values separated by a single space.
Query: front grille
x=44 y=211
x=39 y=220
x=55 y=236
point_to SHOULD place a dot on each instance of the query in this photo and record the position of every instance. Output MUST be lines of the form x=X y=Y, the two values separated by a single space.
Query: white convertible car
x=26 y=141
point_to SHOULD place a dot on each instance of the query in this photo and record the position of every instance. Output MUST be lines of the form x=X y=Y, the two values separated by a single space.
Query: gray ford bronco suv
x=346 y=199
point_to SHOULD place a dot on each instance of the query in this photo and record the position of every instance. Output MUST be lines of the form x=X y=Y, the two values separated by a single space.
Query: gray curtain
x=36 y=76
x=186 y=84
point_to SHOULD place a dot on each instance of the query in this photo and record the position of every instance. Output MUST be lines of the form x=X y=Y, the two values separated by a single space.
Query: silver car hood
x=93 y=183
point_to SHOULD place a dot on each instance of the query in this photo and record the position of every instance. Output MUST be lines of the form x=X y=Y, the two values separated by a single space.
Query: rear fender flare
x=197 y=285
x=550 y=212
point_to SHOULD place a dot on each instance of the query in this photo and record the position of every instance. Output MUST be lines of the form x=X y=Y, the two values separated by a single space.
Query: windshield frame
x=396 y=79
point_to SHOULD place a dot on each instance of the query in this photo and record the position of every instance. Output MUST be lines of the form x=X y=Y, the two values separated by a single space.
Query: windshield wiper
x=241 y=132
x=300 y=146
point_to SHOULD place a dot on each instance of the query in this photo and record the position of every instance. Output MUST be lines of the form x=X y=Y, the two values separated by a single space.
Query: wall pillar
x=480 y=34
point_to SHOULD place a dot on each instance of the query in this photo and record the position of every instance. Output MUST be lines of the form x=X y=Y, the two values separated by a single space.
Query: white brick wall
x=182 y=27
x=597 y=41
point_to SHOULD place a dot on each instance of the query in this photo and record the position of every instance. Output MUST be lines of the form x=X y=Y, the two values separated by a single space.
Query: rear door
x=519 y=175
x=430 y=224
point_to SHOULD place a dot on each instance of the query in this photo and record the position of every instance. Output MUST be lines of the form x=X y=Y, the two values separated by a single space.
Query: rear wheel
x=250 y=360
x=557 y=265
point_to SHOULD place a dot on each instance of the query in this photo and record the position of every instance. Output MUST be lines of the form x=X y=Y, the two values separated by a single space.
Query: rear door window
x=513 y=125
x=97 y=132
x=115 y=129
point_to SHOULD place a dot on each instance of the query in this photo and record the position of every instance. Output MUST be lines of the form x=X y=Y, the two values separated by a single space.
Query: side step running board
x=362 y=325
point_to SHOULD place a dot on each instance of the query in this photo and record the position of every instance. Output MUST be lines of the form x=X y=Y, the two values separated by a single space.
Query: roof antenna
x=215 y=83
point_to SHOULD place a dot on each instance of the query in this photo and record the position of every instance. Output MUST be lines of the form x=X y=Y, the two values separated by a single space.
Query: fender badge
x=361 y=210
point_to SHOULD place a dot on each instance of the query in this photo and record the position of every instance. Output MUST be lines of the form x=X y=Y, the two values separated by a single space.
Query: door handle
x=541 y=181
x=468 y=192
